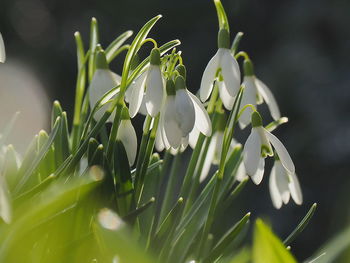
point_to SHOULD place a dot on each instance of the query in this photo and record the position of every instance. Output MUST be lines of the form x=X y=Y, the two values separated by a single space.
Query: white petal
x=248 y=97
x=259 y=174
x=154 y=90
x=5 y=205
x=172 y=130
x=159 y=145
x=137 y=89
x=281 y=151
x=208 y=77
x=127 y=135
x=274 y=192
x=2 y=50
x=162 y=132
x=252 y=152
x=282 y=181
x=225 y=96
x=102 y=82
x=230 y=72
x=295 y=189
x=270 y=100
x=193 y=137
x=208 y=158
x=202 y=123
x=185 y=113
x=241 y=173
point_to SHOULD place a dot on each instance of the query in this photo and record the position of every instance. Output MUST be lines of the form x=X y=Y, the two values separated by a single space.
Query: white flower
x=102 y=81
x=181 y=113
x=127 y=135
x=258 y=147
x=171 y=128
x=2 y=50
x=255 y=92
x=224 y=67
x=152 y=81
x=283 y=184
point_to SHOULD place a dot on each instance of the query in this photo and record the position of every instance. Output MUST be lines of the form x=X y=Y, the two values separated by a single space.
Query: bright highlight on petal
x=225 y=96
x=230 y=72
x=268 y=97
x=209 y=77
x=137 y=89
x=103 y=81
x=185 y=112
x=282 y=152
x=154 y=90
x=202 y=123
x=252 y=152
x=172 y=130
x=127 y=135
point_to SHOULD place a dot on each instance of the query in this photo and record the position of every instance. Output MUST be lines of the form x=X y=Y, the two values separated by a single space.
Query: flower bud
x=155 y=57
x=256 y=119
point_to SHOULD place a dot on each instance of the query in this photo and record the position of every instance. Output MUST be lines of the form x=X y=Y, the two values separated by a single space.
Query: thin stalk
x=170 y=187
x=228 y=134
x=143 y=146
x=147 y=158
x=186 y=186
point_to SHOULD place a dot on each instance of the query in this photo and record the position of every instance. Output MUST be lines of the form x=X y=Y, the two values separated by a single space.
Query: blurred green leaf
x=268 y=248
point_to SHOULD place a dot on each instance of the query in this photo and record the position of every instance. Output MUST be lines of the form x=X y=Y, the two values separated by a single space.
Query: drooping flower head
x=103 y=81
x=283 y=185
x=148 y=88
x=224 y=68
x=127 y=135
x=255 y=92
x=258 y=147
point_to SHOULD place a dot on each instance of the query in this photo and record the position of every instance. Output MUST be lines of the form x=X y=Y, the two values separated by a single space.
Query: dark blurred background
x=300 y=50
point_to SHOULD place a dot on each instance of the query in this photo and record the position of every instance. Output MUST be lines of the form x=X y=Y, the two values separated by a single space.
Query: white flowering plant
x=93 y=192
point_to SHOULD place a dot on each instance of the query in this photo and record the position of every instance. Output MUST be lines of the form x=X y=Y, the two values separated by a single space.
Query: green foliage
x=73 y=196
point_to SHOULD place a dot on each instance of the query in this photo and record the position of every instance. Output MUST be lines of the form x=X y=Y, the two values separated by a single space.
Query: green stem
x=143 y=146
x=186 y=186
x=145 y=163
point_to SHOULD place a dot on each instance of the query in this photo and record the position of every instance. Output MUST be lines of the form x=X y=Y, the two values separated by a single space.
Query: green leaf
x=115 y=240
x=27 y=168
x=116 y=44
x=268 y=248
x=93 y=144
x=10 y=167
x=122 y=179
x=223 y=21
x=55 y=112
x=301 y=226
x=134 y=48
x=94 y=39
x=225 y=241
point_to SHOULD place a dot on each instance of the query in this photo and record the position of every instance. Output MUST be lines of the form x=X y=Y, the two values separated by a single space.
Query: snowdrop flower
x=102 y=81
x=127 y=135
x=258 y=147
x=2 y=50
x=179 y=114
x=283 y=184
x=255 y=92
x=224 y=67
x=152 y=81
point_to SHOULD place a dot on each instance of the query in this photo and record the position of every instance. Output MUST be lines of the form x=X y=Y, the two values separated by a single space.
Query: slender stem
x=148 y=153
x=186 y=186
x=143 y=147
x=170 y=187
